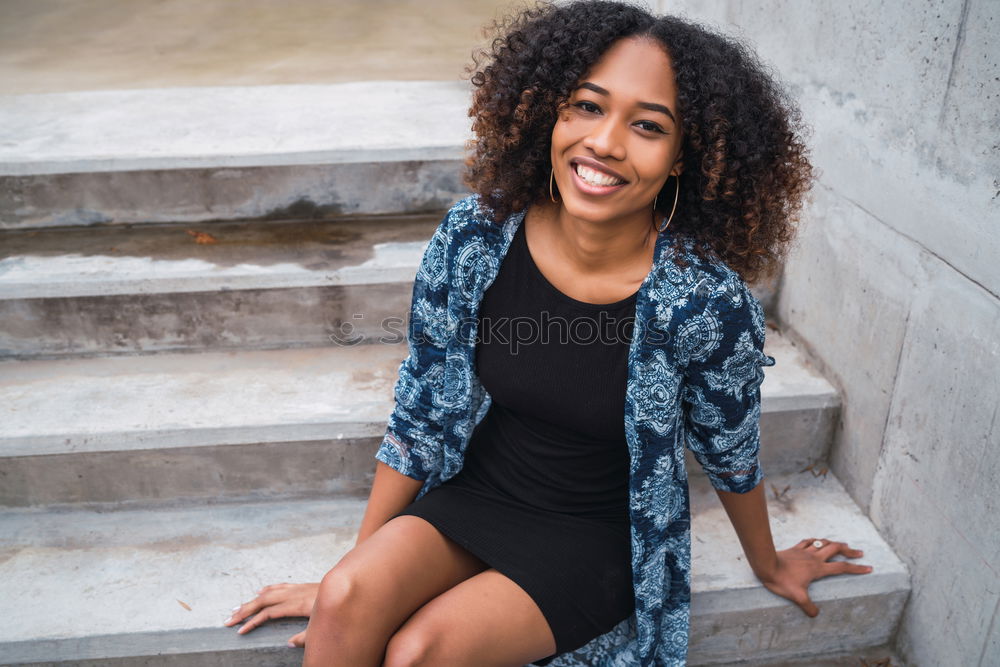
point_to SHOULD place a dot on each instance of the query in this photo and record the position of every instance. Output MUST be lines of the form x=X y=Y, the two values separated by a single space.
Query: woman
x=632 y=171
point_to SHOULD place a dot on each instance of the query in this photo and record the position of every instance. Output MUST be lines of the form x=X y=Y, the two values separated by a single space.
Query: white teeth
x=594 y=177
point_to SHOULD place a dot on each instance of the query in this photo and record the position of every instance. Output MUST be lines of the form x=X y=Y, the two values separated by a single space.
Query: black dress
x=543 y=493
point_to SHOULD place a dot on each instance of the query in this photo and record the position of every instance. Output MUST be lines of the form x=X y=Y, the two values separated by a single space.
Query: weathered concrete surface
x=153 y=288
x=201 y=195
x=72 y=579
x=112 y=260
x=733 y=617
x=111 y=289
x=276 y=423
x=131 y=570
x=924 y=118
x=935 y=488
x=232 y=126
x=59 y=45
x=281 y=469
x=895 y=282
x=231 y=153
x=191 y=321
x=191 y=400
x=856 y=312
x=874 y=655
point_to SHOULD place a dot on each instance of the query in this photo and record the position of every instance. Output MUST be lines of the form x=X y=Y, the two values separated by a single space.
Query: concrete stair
x=230 y=152
x=124 y=586
x=178 y=428
x=288 y=422
x=116 y=289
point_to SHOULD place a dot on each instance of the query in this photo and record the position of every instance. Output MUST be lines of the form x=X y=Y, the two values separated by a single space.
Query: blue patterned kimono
x=694 y=373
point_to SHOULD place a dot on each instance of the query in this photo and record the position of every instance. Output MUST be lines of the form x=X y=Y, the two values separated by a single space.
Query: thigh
x=486 y=619
x=401 y=566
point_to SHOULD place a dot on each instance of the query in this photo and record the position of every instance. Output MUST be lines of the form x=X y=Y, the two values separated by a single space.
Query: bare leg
x=483 y=621
x=376 y=586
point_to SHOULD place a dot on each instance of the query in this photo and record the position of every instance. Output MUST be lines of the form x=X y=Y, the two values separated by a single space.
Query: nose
x=605 y=139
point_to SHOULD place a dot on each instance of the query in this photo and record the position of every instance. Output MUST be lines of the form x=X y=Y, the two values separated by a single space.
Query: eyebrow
x=650 y=106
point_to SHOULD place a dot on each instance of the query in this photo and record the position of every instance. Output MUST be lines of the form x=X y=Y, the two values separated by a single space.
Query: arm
x=413 y=441
x=391 y=492
x=748 y=514
x=788 y=572
x=723 y=421
x=721 y=349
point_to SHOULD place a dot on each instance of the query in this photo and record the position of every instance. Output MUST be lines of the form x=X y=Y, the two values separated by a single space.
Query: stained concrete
x=190 y=400
x=895 y=284
x=275 y=423
x=205 y=154
x=155 y=288
x=61 y=45
x=948 y=482
x=126 y=289
x=924 y=116
x=733 y=617
x=864 y=326
x=112 y=260
x=321 y=191
x=131 y=570
x=244 y=126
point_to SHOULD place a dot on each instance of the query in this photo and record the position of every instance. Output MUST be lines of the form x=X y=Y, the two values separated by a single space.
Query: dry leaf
x=815 y=473
x=201 y=237
x=184 y=604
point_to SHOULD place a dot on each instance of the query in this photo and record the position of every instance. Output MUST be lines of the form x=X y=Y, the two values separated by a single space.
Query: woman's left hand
x=802 y=564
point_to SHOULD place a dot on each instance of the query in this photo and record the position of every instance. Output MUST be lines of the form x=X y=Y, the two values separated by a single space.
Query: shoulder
x=700 y=294
x=468 y=212
x=469 y=221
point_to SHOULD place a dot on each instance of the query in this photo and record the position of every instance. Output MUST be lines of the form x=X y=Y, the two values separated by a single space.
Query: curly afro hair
x=747 y=167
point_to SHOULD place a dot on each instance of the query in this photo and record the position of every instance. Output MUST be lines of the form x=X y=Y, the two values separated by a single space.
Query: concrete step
x=294 y=422
x=152 y=587
x=128 y=289
x=231 y=152
x=735 y=619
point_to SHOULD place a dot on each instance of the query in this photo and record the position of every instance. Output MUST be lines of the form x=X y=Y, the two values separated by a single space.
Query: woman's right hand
x=276 y=601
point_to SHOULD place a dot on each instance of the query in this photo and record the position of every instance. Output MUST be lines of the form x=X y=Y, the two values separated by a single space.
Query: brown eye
x=589 y=107
x=650 y=126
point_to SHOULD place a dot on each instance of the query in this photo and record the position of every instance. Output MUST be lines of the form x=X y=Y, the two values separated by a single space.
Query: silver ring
x=818 y=543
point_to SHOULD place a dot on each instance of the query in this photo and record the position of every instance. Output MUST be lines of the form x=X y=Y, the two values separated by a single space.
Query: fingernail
x=228 y=621
x=236 y=608
x=860 y=552
x=291 y=644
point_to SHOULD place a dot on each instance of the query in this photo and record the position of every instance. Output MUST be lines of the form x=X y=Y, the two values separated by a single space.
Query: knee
x=413 y=646
x=338 y=595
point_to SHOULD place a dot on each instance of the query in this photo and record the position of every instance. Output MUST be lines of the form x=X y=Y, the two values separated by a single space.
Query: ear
x=678 y=165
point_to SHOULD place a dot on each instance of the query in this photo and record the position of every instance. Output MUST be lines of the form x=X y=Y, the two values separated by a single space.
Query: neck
x=602 y=246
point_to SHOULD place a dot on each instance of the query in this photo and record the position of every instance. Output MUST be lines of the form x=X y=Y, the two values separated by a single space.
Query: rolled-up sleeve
x=723 y=346
x=412 y=444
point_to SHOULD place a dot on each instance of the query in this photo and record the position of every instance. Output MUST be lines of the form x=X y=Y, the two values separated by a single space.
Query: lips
x=593 y=178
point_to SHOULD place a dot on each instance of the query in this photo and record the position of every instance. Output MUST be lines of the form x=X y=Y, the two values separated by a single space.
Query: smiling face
x=618 y=138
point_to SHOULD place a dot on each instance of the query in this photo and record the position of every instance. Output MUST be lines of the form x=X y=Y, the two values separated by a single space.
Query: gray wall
x=894 y=282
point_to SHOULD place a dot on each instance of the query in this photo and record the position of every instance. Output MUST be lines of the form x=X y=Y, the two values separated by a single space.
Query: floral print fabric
x=695 y=365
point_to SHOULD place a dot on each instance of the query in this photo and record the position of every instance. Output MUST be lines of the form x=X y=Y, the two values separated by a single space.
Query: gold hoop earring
x=677 y=193
x=551 y=180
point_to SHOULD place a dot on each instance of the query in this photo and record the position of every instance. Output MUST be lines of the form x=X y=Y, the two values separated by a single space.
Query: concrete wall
x=894 y=283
